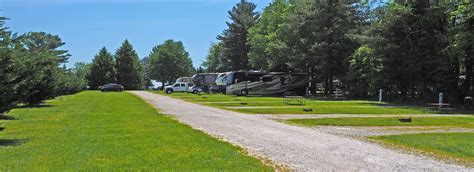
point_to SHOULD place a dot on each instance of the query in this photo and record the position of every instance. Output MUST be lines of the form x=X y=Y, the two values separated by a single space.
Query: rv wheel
x=169 y=91
x=244 y=92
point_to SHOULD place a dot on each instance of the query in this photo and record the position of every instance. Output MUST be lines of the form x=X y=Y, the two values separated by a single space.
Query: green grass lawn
x=274 y=105
x=465 y=122
x=457 y=146
x=94 y=131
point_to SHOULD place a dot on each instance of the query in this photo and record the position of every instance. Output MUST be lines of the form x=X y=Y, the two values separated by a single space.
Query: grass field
x=275 y=105
x=94 y=131
x=450 y=146
x=464 y=122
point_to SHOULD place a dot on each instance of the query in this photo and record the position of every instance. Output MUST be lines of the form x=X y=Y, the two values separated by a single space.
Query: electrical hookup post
x=380 y=95
x=440 y=100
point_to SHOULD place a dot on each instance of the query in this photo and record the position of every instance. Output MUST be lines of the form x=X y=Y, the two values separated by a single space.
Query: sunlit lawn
x=449 y=146
x=464 y=122
x=94 y=131
x=275 y=105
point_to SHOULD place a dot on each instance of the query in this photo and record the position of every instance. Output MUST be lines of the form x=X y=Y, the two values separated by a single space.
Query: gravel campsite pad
x=300 y=148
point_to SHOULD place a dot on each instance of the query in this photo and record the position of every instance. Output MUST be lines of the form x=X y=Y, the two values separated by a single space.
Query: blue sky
x=87 y=25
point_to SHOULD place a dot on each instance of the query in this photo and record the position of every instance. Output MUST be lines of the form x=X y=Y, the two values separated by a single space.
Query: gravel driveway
x=302 y=149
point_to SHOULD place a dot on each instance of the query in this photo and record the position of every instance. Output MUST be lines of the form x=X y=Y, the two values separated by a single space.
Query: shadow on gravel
x=11 y=142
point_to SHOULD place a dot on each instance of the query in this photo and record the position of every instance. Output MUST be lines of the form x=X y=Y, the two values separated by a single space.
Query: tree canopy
x=169 y=61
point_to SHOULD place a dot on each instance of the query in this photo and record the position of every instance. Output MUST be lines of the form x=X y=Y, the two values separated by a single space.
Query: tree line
x=32 y=67
x=413 y=50
x=165 y=63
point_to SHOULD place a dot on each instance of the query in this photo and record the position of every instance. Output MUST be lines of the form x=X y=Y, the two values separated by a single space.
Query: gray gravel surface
x=300 y=148
x=378 y=131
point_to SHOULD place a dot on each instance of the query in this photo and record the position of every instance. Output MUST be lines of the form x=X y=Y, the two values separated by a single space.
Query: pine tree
x=129 y=69
x=8 y=86
x=102 y=69
x=234 y=38
x=318 y=34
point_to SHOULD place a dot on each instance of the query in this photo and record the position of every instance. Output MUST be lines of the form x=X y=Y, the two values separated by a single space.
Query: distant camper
x=206 y=81
x=262 y=83
x=188 y=80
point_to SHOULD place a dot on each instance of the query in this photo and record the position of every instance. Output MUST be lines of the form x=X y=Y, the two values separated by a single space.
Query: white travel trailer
x=262 y=83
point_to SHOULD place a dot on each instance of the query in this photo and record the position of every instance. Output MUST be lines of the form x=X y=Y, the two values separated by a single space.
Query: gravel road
x=301 y=149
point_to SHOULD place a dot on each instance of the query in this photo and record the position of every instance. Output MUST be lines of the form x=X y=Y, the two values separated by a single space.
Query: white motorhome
x=262 y=83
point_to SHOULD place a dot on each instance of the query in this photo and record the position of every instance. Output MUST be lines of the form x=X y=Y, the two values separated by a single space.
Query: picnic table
x=294 y=100
x=439 y=107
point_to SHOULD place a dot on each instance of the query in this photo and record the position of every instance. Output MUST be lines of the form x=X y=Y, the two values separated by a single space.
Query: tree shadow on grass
x=32 y=106
x=5 y=117
x=2 y=128
x=11 y=142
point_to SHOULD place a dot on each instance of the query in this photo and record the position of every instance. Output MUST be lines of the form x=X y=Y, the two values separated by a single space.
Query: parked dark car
x=111 y=87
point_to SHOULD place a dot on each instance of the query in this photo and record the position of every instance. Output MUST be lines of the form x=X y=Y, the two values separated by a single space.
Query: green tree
x=45 y=42
x=461 y=46
x=234 y=38
x=410 y=41
x=38 y=60
x=200 y=70
x=9 y=84
x=364 y=71
x=147 y=83
x=102 y=69
x=129 y=69
x=216 y=60
x=267 y=49
x=81 y=71
x=169 y=61
x=319 y=37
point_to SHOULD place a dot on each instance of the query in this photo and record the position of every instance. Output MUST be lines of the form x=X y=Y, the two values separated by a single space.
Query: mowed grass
x=94 y=131
x=275 y=105
x=464 y=122
x=449 y=146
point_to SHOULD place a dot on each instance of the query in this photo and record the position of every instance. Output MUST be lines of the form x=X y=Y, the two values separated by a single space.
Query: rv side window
x=267 y=79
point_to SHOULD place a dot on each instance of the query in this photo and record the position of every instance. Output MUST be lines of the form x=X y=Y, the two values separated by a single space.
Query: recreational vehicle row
x=247 y=83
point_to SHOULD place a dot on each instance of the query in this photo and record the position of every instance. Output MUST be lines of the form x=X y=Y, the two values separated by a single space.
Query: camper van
x=262 y=83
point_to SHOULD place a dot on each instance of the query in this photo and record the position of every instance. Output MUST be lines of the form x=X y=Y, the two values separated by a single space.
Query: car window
x=190 y=85
x=176 y=85
x=183 y=85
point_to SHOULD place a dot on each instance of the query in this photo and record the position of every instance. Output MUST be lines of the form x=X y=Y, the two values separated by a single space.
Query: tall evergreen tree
x=319 y=35
x=234 y=38
x=169 y=61
x=409 y=41
x=8 y=85
x=102 y=69
x=129 y=69
x=41 y=58
x=267 y=49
